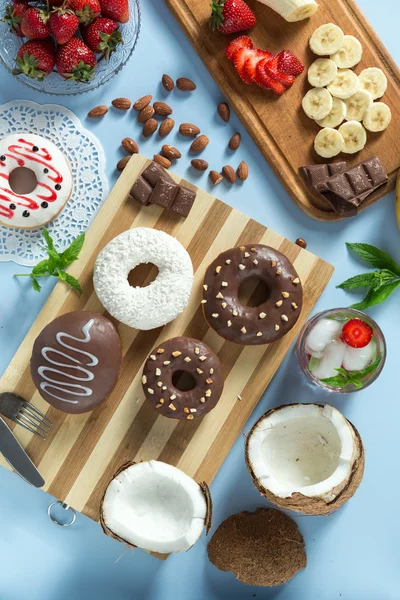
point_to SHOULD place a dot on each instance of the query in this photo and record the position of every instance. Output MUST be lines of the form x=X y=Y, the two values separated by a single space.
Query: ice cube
x=356 y=359
x=332 y=360
x=314 y=353
x=322 y=334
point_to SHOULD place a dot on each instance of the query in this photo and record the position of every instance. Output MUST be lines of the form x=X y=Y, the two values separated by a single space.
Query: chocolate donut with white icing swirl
x=76 y=361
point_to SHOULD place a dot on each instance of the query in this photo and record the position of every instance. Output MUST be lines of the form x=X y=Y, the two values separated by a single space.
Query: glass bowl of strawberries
x=67 y=47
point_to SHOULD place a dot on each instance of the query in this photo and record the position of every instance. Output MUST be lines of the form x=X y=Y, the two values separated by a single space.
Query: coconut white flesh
x=303 y=448
x=156 y=507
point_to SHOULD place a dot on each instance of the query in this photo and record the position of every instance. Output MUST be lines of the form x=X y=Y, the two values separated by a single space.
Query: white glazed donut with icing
x=144 y=307
x=53 y=174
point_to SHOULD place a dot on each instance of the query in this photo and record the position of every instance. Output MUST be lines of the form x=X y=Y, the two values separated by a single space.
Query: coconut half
x=305 y=457
x=156 y=507
x=261 y=548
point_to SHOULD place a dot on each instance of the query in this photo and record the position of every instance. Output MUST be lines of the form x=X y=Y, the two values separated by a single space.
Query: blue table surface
x=353 y=554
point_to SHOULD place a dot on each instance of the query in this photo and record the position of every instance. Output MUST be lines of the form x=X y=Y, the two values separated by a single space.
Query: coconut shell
x=313 y=506
x=262 y=548
x=209 y=515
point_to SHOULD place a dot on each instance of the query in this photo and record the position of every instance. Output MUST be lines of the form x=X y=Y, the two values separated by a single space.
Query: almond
x=199 y=165
x=162 y=160
x=122 y=103
x=98 y=111
x=121 y=164
x=149 y=127
x=224 y=111
x=142 y=102
x=130 y=145
x=168 y=82
x=170 y=152
x=189 y=130
x=243 y=171
x=145 y=114
x=229 y=173
x=234 y=142
x=199 y=143
x=185 y=84
x=162 y=108
x=166 y=127
x=215 y=177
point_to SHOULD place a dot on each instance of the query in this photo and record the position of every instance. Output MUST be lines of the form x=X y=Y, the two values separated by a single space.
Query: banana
x=292 y=10
x=321 y=72
x=398 y=199
x=336 y=116
x=357 y=104
x=326 y=40
x=328 y=142
x=317 y=103
x=377 y=117
x=354 y=135
x=374 y=81
x=349 y=54
x=345 y=84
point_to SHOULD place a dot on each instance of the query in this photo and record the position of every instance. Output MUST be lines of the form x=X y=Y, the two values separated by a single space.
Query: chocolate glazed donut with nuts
x=183 y=379
x=248 y=325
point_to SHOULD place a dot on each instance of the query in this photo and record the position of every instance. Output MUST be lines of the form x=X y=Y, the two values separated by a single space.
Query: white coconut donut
x=144 y=307
x=53 y=175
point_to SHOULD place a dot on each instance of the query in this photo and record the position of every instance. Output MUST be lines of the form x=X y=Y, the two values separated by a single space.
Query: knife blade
x=16 y=456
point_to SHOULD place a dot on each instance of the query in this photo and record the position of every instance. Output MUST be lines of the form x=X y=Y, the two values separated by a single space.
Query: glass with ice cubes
x=341 y=350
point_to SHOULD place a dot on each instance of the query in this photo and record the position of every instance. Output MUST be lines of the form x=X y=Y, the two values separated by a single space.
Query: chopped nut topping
x=172 y=406
x=277 y=327
x=172 y=397
x=224 y=305
x=158 y=405
x=235 y=313
x=207 y=393
x=161 y=400
x=294 y=305
x=219 y=295
x=186 y=410
x=273 y=263
x=253 y=250
x=278 y=272
x=242 y=267
x=205 y=287
x=259 y=333
x=215 y=315
x=246 y=255
x=202 y=358
x=144 y=379
x=262 y=315
x=284 y=318
x=187 y=359
x=229 y=323
x=209 y=380
x=164 y=387
x=243 y=330
x=228 y=261
x=211 y=371
x=152 y=357
x=203 y=302
x=160 y=350
x=224 y=284
x=159 y=383
x=285 y=294
x=296 y=281
x=166 y=362
x=242 y=248
x=158 y=372
x=190 y=417
x=193 y=410
x=255 y=261
x=279 y=303
x=202 y=400
x=197 y=350
x=176 y=354
x=218 y=269
x=150 y=391
x=200 y=372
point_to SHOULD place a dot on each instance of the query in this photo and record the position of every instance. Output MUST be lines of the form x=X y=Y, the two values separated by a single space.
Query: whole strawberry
x=13 y=16
x=63 y=24
x=35 y=24
x=86 y=10
x=118 y=10
x=230 y=16
x=75 y=61
x=102 y=36
x=36 y=58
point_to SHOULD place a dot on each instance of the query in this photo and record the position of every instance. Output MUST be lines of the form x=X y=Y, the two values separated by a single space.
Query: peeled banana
x=321 y=72
x=328 y=142
x=357 y=104
x=326 y=40
x=345 y=84
x=354 y=136
x=317 y=103
x=349 y=53
x=377 y=117
x=374 y=81
x=292 y=10
x=336 y=116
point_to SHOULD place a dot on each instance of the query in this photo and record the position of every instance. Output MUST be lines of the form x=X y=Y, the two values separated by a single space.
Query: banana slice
x=321 y=72
x=345 y=84
x=357 y=104
x=317 y=103
x=326 y=40
x=292 y=10
x=349 y=54
x=354 y=135
x=374 y=81
x=328 y=142
x=336 y=116
x=377 y=117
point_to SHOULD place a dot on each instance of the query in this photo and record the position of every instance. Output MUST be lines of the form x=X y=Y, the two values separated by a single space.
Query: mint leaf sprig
x=355 y=378
x=55 y=265
x=381 y=282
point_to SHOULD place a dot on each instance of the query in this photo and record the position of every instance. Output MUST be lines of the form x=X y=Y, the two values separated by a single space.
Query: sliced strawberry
x=356 y=333
x=264 y=79
x=289 y=63
x=273 y=71
x=243 y=41
x=251 y=63
x=239 y=60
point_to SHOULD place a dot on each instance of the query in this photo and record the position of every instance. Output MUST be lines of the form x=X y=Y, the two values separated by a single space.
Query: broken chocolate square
x=316 y=175
x=153 y=173
x=164 y=193
x=183 y=202
x=141 y=191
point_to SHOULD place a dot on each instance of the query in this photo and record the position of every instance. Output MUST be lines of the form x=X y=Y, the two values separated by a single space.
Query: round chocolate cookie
x=251 y=325
x=76 y=361
x=183 y=379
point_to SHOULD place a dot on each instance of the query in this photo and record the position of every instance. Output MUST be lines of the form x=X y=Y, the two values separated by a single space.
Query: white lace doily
x=87 y=160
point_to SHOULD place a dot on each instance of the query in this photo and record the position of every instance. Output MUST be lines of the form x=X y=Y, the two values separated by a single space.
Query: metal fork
x=25 y=414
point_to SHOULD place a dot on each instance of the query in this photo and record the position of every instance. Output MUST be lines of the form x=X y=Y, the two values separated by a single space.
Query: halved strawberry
x=356 y=333
x=243 y=41
x=239 y=60
x=289 y=63
x=264 y=79
x=271 y=68
x=251 y=63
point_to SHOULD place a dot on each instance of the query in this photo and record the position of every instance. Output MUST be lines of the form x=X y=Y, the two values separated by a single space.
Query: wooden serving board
x=84 y=451
x=284 y=134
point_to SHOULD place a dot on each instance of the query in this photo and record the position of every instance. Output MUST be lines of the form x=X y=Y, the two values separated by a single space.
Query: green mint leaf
x=35 y=284
x=45 y=266
x=61 y=275
x=375 y=257
x=48 y=238
x=370 y=368
x=363 y=280
x=72 y=252
x=336 y=381
x=383 y=277
x=73 y=283
x=376 y=296
x=355 y=378
x=54 y=257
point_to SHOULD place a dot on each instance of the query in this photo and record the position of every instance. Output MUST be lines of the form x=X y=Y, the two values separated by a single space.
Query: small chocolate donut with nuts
x=248 y=325
x=183 y=379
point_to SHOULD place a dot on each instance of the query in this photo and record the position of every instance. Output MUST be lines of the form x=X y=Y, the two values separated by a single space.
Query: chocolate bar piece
x=153 y=173
x=164 y=193
x=316 y=175
x=141 y=191
x=183 y=202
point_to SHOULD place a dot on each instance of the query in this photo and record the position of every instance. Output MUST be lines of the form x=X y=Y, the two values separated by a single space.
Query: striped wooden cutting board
x=83 y=451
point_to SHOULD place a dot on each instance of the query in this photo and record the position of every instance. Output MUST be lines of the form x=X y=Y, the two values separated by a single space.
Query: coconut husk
x=313 y=506
x=209 y=515
x=262 y=548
